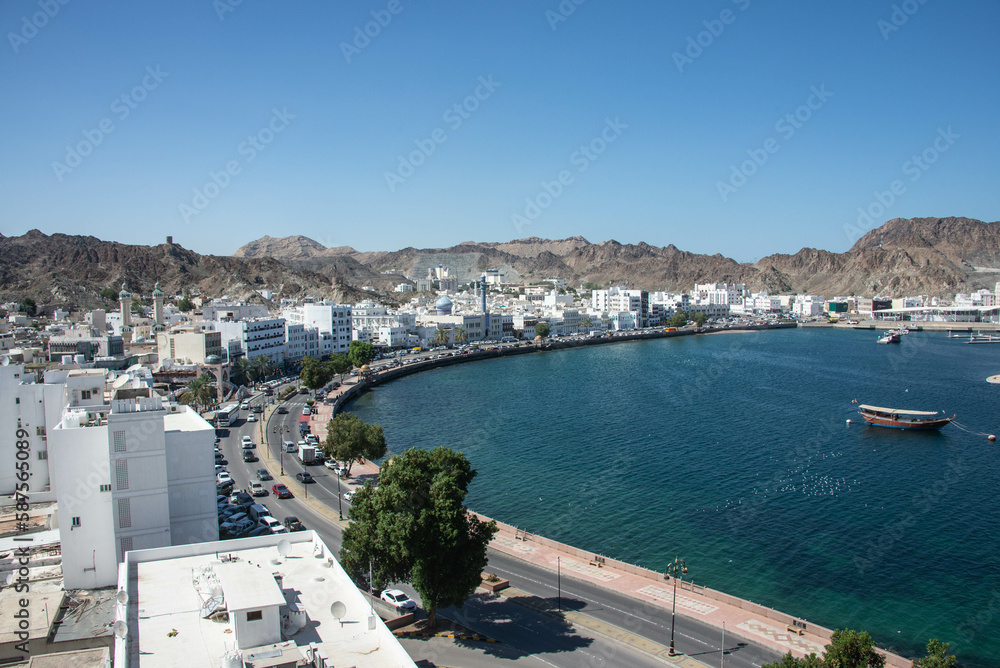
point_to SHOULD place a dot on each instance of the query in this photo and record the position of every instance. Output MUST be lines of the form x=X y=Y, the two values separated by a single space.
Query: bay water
x=733 y=452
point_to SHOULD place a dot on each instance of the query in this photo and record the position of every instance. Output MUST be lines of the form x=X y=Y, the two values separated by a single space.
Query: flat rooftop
x=169 y=588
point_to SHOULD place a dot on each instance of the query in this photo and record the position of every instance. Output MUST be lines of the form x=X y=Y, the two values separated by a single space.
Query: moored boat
x=891 y=336
x=903 y=419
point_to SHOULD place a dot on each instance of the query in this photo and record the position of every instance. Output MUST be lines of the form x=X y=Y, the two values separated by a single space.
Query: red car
x=281 y=491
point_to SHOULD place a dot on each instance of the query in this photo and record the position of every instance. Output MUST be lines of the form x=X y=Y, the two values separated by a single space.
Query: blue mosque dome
x=443 y=306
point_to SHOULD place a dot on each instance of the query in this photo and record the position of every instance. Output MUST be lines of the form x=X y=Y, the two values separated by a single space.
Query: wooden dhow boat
x=903 y=419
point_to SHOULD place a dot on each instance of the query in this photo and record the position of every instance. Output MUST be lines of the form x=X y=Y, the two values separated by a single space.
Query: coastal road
x=525 y=636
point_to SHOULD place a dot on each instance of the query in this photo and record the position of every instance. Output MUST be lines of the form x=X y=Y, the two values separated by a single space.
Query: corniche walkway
x=742 y=618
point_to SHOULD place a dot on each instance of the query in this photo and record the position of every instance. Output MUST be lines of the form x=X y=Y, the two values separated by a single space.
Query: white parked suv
x=274 y=525
x=398 y=600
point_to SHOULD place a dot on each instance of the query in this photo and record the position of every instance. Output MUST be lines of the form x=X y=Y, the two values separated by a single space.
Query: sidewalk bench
x=794 y=629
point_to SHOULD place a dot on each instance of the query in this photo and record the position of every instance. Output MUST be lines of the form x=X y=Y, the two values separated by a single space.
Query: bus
x=226 y=415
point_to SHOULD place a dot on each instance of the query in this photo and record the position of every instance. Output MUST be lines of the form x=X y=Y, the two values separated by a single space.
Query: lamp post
x=675 y=571
x=340 y=500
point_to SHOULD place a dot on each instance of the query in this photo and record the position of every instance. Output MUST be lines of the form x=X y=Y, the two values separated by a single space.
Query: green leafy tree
x=185 y=304
x=850 y=649
x=361 y=353
x=542 y=329
x=937 y=656
x=108 y=293
x=349 y=439
x=441 y=337
x=315 y=374
x=699 y=318
x=460 y=335
x=29 y=306
x=239 y=371
x=586 y=323
x=678 y=319
x=789 y=661
x=415 y=527
x=339 y=364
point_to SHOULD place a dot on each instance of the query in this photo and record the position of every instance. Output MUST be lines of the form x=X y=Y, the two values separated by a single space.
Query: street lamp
x=675 y=571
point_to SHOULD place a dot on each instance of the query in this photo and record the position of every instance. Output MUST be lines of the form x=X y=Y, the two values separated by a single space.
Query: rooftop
x=171 y=588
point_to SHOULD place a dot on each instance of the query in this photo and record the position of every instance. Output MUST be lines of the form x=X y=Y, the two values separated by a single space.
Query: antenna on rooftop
x=338 y=610
x=120 y=628
x=122 y=596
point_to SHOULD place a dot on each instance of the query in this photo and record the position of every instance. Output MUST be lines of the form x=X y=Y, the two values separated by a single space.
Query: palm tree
x=242 y=372
x=199 y=392
x=461 y=336
x=441 y=337
x=263 y=366
x=586 y=323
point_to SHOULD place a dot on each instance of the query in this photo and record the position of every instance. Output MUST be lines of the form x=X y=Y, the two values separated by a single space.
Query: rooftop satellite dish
x=122 y=596
x=338 y=610
x=120 y=628
x=120 y=382
x=4 y=361
x=284 y=547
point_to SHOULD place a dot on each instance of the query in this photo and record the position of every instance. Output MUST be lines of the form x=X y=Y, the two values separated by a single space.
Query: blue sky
x=218 y=123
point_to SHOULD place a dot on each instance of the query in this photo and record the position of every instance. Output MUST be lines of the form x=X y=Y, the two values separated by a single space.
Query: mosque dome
x=213 y=359
x=443 y=305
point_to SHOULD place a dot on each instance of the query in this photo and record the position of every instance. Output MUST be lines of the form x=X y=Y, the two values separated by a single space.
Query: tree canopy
x=678 y=319
x=937 y=656
x=415 y=527
x=542 y=329
x=441 y=337
x=361 y=353
x=315 y=374
x=29 y=306
x=349 y=439
x=847 y=649
x=200 y=392
x=699 y=318
x=339 y=364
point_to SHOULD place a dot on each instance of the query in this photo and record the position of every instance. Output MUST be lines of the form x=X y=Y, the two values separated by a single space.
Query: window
x=255 y=615
x=17 y=400
x=126 y=546
x=124 y=513
x=85 y=394
x=105 y=488
x=76 y=521
x=43 y=454
x=121 y=474
x=39 y=431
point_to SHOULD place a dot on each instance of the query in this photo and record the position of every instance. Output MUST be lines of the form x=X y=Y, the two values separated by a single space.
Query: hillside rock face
x=72 y=270
x=933 y=256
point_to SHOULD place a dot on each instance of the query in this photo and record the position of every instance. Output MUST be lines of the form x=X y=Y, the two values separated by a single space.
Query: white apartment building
x=333 y=319
x=720 y=293
x=221 y=309
x=617 y=300
x=806 y=306
x=278 y=592
x=258 y=336
x=301 y=341
x=404 y=287
x=23 y=406
x=130 y=471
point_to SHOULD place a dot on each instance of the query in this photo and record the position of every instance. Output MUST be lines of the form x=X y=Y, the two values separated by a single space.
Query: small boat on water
x=903 y=419
x=891 y=336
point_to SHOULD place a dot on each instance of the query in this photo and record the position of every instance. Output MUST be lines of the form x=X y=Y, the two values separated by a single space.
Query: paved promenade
x=742 y=618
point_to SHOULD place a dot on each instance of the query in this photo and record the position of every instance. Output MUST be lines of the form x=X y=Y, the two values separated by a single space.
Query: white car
x=245 y=406
x=306 y=410
x=398 y=600
x=246 y=442
x=331 y=464
x=274 y=525
x=252 y=417
x=223 y=476
x=349 y=495
x=257 y=489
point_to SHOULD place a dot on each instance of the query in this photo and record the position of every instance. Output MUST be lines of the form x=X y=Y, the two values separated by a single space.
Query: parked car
x=249 y=456
x=398 y=600
x=241 y=499
x=263 y=475
x=292 y=523
x=281 y=491
x=257 y=489
x=304 y=477
x=259 y=531
x=349 y=495
x=224 y=487
x=332 y=464
x=274 y=525
x=223 y=477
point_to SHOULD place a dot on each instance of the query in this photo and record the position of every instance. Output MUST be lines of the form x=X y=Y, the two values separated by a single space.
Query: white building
x=332 y=319
x=287 y=601
x=806 y=306
x=720 y=293
x=618 y=300
x=221 y=309
x=301 y=341
x=404 y=287
x=23 y=405
x=188 y=346
x=130 y=471
x=257 y=336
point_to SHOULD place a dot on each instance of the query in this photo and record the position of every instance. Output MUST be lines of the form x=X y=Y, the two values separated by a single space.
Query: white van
x=274 y=525
x=290 y=446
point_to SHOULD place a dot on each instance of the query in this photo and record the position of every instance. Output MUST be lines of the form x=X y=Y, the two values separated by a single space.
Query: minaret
x=125 y=302
x=158 y=308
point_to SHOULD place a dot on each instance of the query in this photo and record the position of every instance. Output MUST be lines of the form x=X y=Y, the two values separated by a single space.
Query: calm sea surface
x=732 y=451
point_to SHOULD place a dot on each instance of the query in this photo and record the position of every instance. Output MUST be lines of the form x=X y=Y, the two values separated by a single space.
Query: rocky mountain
x=72 y=270
x=935 y=256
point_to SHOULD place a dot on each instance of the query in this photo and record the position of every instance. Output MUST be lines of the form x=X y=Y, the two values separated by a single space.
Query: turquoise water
x=733 y=452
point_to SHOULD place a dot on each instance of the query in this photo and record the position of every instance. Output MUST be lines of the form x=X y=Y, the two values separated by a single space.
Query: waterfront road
x=599 y=626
